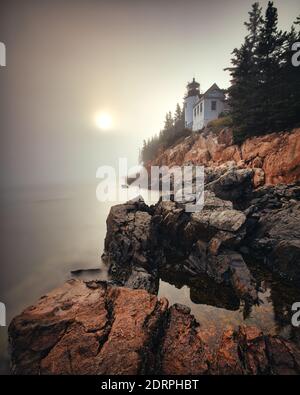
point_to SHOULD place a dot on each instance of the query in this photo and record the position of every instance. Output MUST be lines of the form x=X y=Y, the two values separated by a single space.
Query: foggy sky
x=68 y=59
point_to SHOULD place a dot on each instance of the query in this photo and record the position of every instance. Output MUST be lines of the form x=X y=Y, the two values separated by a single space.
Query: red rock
x=230 y=153
x=278 y=154
x=225 y=137
x=257 y=162
x=226 y=360
x=95 y=328
x=258 y=178
x=183 y=350
x=249 y=352
x=87 y=328
x=283 y=165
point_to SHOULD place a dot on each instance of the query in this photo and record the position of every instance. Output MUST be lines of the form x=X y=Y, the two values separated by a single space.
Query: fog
x=66 y=60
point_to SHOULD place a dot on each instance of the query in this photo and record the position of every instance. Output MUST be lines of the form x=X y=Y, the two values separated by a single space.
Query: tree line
x=264 y=95
x=172 y=131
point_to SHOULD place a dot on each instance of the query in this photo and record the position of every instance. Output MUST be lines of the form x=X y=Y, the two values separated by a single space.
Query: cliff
x=274 y=157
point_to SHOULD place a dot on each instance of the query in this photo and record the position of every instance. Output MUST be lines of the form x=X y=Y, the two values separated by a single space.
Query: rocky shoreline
x=97 y=328
x=236 y=221
x=121 y=327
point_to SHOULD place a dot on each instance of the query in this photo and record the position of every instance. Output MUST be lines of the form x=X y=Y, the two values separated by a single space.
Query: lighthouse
x=192 y=95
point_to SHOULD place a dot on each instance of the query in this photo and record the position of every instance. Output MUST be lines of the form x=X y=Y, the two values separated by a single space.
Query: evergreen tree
x=172 y=131
x=270 y=54
x=178 y=120
x=288 y=108
x=264 y=95
x=243 y=95
x=177 y=114
x=169 y=122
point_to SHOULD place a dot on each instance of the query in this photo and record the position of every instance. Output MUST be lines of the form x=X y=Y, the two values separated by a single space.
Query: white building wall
x=198 y=116
x=210 y=114
x=188 y=110
x=201 y=119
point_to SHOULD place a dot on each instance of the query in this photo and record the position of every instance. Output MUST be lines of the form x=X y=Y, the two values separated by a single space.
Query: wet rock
x=169 y=221
x=141 y=240
x=227 y=268
x=203 y=290
x=130 y=249
x=241 y=279
x=203 y=244
x=275 y=233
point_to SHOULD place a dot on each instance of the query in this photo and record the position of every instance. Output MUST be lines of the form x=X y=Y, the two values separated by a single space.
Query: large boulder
x=130 y=250
x=234 y=185
x=88 y=328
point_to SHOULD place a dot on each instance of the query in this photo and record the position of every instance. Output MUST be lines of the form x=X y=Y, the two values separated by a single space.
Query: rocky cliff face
x=275 y=157
x=96 y=328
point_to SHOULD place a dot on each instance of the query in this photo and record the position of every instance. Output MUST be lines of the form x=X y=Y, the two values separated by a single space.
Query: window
x=213 y=105
x=201 y=107
x=194 y=111
x=197 y=110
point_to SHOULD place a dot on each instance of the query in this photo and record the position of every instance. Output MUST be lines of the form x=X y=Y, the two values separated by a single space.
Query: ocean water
x=45 y=233
x=48 y=231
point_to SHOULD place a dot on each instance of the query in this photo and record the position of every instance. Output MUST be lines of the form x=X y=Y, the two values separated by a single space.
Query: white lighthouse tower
x=192 y=95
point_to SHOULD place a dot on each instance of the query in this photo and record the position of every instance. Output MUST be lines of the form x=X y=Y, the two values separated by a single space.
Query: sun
x=103 y=120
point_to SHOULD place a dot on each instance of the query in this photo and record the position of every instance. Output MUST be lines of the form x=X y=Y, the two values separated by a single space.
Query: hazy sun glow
x=103 y=120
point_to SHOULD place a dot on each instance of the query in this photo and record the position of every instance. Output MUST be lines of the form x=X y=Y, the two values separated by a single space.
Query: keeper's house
x=199 y=108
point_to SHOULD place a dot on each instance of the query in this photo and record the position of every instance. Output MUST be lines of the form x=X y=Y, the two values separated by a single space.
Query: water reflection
x=203 y=290
x=217 y=308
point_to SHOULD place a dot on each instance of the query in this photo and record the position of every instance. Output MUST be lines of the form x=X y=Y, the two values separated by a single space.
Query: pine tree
x=177 y=114
x=270 y=55
x=169 y=122
x=288 y=109
x=265 y=94
x=178 y=120
x=243 y=97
